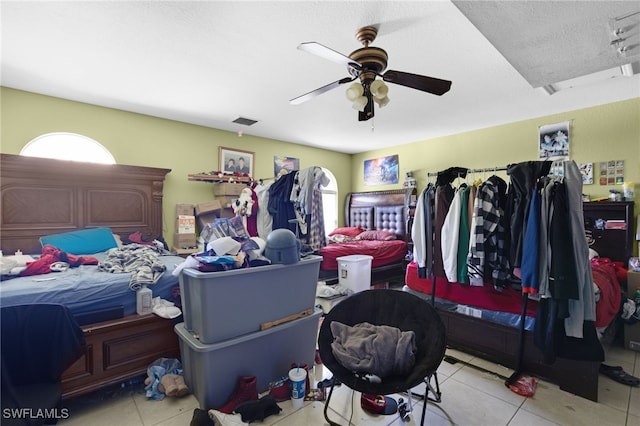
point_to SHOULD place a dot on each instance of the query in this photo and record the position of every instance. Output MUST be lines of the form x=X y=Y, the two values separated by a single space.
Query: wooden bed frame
x=355 y=201
x=43 y=196
x=500 y=343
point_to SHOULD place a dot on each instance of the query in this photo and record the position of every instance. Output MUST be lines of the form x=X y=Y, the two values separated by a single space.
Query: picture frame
x=554 y=141
x=381 y=171
x=230 y=159
x=284 y=165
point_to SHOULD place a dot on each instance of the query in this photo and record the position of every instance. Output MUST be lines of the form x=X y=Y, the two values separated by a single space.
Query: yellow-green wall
x=607 y=132
x=142 y=140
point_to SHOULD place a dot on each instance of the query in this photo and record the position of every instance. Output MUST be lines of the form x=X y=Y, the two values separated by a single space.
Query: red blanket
x=485 y=297
x=50 y=255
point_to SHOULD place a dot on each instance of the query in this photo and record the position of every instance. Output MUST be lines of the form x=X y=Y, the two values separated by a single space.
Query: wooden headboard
x=381 y=210
x=43 y=196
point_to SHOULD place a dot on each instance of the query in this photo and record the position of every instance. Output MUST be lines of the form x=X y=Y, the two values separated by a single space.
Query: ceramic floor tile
x=153 y=411
x=633 y=420
x=311 y=414
x=634 y=402
x=447 y=369
x=616 y=354
x=466 y=405
x=613 y=394
x=181 y=419
x=488 y=383
x=525 y=418
x=121 y=410
x=565 y=408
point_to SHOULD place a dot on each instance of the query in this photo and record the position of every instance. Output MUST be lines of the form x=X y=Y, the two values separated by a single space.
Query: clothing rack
x=525 y=296
x=485 y=170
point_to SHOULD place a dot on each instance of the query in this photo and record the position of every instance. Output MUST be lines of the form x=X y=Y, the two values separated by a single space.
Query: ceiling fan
x=366 y=64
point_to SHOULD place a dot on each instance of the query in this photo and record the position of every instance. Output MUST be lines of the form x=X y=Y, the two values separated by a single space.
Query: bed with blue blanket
x=41 y=198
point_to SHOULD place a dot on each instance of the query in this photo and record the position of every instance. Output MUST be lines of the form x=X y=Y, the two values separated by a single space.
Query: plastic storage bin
x=222 y=305
x=354 y=272
x=212 y=371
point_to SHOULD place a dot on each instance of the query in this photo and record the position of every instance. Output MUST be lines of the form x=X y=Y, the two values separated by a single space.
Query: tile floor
x=469 y=397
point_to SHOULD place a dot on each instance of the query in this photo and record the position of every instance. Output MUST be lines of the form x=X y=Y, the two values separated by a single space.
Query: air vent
x=245 y=121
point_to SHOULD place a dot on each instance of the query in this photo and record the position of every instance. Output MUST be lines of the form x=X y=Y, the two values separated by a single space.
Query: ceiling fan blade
x=420 y=82
x=328 y=53
x=319 y=91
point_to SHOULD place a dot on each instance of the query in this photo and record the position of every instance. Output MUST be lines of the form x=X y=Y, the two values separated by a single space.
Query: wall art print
x=553 y=141
x=284 y=165
x=381 y=171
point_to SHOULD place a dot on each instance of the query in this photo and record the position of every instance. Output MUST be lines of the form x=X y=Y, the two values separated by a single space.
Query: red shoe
x=378 y=404
x=246 y=390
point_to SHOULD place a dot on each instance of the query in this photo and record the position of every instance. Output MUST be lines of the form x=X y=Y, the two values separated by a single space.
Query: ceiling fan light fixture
x=354 y=91
x=359 y=103
x=379 y=89
x=381 y=101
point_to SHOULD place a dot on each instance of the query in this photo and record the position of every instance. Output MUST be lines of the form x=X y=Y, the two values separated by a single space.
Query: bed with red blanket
x=376 y=223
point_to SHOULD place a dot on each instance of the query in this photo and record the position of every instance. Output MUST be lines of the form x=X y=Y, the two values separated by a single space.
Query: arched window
x=330 y=202
x=68 y=146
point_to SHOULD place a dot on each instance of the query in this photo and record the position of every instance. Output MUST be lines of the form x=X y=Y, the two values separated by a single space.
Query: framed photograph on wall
x=236 y=160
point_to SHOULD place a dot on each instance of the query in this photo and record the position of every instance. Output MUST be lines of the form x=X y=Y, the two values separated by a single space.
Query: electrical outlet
x=633 y=345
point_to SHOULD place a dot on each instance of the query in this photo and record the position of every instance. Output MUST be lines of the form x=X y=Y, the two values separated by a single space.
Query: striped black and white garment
x=142 y=261
x=487 y=258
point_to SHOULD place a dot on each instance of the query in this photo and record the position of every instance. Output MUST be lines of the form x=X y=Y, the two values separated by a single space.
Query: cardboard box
x=632 y=331
x=228 y=188
x=205 y=218
x=184 y=209
x=226 y=200
x=181 y=241
x=208 y=207
x=186 y=224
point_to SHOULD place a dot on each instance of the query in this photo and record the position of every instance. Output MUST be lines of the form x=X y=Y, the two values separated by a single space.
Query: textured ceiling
x=209 y=62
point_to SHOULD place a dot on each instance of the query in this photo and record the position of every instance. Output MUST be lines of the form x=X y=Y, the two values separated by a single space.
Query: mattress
x=485 y=298
x=383 y=252
x=85 y=289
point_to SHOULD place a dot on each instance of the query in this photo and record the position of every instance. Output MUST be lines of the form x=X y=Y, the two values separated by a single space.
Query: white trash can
x=354 y=272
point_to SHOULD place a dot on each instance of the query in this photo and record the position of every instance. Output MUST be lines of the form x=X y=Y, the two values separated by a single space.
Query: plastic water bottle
x=144 y=297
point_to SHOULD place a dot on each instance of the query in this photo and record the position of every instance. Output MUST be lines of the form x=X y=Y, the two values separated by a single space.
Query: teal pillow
x=86 y=241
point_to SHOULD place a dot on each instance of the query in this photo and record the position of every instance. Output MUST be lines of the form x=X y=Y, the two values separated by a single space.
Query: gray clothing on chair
x=377 y=349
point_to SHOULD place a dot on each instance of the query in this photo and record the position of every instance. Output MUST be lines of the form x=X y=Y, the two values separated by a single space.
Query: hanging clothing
x=531 y=247
x=464 y=236
x=422 y=231
x=450 y=238
x=565 y=323
x=264 y=220
x=444 y=197
x=280 y=206
x=317 y=238
x=486 y=251
x=306 y=183
x=583 y=309
x=523 y=177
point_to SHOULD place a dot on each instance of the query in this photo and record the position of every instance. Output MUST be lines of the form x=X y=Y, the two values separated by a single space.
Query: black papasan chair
x=393 y=308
